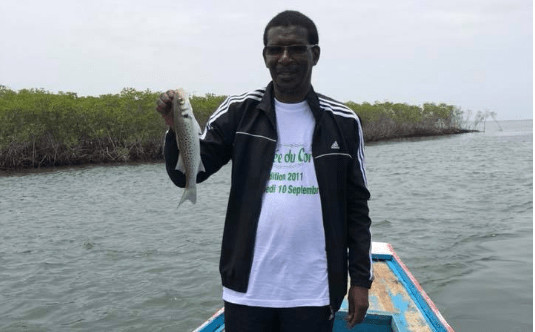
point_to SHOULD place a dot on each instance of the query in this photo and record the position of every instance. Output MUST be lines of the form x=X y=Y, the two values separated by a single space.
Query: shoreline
x=447 y=132
x=113 y=162
x=43 y=130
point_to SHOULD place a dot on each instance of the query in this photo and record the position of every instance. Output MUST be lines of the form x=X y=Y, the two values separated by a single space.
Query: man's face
x=290 y=68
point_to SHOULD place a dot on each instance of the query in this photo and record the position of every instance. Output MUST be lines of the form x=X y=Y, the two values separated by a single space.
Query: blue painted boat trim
x=429 y=315
x=216 y=325
x=382 y=257
x=372 y=323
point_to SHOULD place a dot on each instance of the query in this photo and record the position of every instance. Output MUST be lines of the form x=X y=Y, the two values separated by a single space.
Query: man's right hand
x=164 y=105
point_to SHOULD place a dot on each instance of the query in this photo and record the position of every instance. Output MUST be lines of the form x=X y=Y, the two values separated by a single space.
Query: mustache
x=287 y=70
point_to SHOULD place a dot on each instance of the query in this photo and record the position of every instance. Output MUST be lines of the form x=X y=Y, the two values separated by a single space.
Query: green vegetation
x=39 y=128
x=387 y=120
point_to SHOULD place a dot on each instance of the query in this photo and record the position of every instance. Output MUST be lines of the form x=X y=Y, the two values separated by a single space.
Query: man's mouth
x=286 y=73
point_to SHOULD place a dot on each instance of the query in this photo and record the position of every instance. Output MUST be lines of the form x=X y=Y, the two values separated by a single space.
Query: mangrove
x=39 y=128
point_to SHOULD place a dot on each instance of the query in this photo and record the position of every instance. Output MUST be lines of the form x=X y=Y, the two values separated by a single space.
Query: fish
x=187 y=132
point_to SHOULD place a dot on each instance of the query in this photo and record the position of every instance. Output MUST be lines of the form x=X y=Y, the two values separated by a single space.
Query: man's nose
x=285 y=56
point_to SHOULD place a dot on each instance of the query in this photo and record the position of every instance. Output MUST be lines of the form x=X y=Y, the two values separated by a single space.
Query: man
x=297 y=215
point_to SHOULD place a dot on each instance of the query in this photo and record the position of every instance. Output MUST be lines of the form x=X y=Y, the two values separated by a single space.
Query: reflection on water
x=105 y=247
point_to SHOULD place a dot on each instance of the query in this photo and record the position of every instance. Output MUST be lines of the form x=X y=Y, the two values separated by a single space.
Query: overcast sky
x=476 y=54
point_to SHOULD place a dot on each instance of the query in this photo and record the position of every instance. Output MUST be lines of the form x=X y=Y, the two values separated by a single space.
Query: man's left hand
x=358 y=305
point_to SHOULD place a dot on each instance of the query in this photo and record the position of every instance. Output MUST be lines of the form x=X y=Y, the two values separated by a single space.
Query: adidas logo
x=335 y=146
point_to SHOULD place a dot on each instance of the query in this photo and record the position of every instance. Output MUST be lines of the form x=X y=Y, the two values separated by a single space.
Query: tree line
x=39 y=128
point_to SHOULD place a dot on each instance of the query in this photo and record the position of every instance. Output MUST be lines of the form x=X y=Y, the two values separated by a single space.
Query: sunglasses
x=293 y=50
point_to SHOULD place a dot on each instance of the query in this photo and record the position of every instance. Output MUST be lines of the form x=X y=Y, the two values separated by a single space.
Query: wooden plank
x=437 y=321
x=388 y=294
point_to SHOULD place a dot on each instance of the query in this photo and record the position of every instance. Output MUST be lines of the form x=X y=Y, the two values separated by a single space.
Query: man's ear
x=264 y=56
x=316 y=54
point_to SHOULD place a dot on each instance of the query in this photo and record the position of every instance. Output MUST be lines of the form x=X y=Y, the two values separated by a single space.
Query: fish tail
x=189 y=194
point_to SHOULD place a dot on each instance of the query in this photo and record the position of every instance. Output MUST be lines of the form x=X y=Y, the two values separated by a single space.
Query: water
x=104 y=247
x=458 y=210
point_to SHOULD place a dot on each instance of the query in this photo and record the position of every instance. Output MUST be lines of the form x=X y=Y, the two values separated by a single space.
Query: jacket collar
x=267 y=104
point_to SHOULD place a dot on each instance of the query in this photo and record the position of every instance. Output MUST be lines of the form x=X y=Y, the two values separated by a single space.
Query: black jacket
x=243 y=129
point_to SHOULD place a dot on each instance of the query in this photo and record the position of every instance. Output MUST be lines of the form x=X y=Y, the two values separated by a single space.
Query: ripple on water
x=105 y=248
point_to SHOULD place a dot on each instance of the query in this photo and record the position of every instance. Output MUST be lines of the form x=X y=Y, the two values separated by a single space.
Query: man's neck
x=290 y=97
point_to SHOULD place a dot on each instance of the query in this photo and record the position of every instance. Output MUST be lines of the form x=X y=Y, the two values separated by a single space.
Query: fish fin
x=197 y=127
x=180 y=164
x=189 y=194
x=201 y=167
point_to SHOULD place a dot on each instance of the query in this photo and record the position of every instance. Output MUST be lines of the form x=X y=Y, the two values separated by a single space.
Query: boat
x=397 y=301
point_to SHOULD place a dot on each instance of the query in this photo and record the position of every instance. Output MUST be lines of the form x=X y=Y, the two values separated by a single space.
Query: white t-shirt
x=290 y=262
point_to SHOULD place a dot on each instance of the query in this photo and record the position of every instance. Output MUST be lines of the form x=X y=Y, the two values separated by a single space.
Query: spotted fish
x=187 y=133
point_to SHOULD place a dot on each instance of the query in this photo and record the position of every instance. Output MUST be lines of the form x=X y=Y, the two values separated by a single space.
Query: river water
x=105 y=247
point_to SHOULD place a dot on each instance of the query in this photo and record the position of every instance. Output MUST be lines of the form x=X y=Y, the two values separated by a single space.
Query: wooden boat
x=397 y=301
